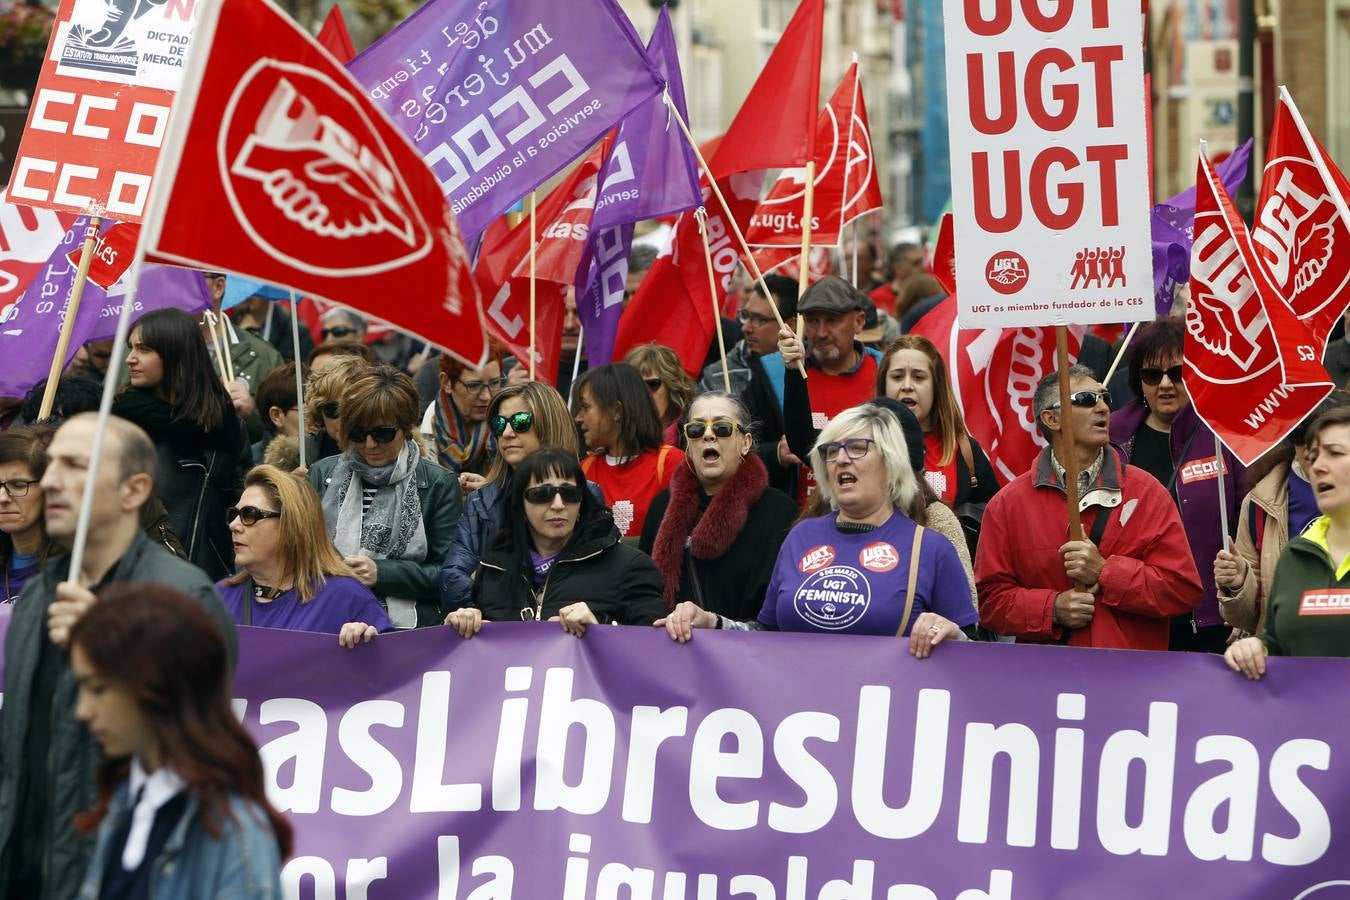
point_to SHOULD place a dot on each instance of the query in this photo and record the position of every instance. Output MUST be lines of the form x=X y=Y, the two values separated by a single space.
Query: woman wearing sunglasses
x=868 y=567
x=181 y=810
x=457 y=421
x=618 y=420
x=558 y=557
x=176 y=396
x=715 y=533
x=24 y=545
x=390 y=512
x=1161 y=434
x=323 y=405
x=672 y=389
x=523 y=418
x=289 y=574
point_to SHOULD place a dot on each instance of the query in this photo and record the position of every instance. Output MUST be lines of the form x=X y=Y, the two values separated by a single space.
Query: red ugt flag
x=1251 y=368
x=278 y=167
x=1299 y=234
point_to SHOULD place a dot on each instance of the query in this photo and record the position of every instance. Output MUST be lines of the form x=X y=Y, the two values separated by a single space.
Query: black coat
x=617 y=581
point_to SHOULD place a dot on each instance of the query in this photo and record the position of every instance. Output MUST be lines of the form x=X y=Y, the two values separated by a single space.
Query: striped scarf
x=459 y=447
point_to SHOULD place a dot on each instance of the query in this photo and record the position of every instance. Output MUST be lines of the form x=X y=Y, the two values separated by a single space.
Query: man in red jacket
x=1120 y=586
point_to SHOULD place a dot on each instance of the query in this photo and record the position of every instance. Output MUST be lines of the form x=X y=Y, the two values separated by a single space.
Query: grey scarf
x=393 y=529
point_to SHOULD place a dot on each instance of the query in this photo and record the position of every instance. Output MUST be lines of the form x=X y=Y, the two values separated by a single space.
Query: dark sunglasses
x=340 y=331
x=653 y=384
x=1153 y=376
x=520 y=423
x=722 y=428
x=1086 y=399
x=544 y=493
x=329 y=410
x=382 y=435
x=249 y=515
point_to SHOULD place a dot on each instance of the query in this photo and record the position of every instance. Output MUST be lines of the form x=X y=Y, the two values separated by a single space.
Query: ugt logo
x=1006 y=272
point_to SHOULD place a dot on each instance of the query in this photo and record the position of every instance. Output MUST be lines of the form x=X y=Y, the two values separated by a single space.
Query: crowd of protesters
x=423 y=492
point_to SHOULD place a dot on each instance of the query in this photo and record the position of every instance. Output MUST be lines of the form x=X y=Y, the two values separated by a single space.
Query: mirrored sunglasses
x=1086 y=399
x=520 y=423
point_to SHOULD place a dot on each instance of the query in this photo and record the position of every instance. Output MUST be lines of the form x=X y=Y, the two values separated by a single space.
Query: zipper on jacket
x=197 y=511
x=543 y=591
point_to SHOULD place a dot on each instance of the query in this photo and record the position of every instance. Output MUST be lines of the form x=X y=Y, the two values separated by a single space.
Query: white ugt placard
x=1049 y=161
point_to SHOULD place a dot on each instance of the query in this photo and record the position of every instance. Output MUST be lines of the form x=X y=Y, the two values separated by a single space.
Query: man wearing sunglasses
x=1117 y=587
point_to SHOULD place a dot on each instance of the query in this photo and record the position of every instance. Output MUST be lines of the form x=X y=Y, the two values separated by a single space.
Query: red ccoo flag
x=846 y=187
x=278 y=167
x=1300 y=232
x=1251 y=368
x=335 y=37
x=776 y=125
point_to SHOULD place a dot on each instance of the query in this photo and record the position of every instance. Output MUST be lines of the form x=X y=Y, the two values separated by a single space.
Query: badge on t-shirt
x=816 y=559
x=937 y=481
x=833 y=598
x=1325 y=602
x=1201 y=470
x=879 y=557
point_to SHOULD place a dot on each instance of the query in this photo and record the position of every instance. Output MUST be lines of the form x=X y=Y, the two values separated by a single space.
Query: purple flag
x=31 y=329
x=1172 y=222
x=650 y=172
x=498 y=95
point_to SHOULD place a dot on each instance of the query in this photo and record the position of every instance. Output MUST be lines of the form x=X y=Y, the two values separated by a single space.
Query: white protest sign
x=1049 y=162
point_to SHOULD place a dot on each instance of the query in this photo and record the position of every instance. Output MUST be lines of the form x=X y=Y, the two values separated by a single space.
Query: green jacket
x=438 y=491
x=1306 y=615
x=253 y=358
x=72 y=753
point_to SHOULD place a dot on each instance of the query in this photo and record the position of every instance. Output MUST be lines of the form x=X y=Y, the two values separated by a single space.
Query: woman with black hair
x=176 y=396
x=619 y=424
x=558 y=557
x=181 y=810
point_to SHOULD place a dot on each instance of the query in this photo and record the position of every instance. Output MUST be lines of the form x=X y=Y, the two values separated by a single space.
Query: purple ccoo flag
x=650 y=172
x=32 y=326
x=498 y=95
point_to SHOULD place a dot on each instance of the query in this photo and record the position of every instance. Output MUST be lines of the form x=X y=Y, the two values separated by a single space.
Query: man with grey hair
x=1117 y=587
x=50 y=758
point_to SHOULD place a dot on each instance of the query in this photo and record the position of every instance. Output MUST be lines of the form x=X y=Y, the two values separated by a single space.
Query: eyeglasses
x=382 y=434
x=653 y=384
x=520 y=423
x=329 y=410
x=542 y=494
x=491 y=385
x=249 y=515
x=721 y=428
x=754 y=320
x=17 y=487
x=1153 y=376
x=340 y=331
x=855 y=448
x=1086 y=399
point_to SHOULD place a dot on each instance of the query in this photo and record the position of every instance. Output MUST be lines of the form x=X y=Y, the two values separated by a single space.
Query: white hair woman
x=868 y=566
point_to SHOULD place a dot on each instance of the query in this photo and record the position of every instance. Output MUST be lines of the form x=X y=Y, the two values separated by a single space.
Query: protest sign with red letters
x=101 y=106
x=1252 y=370
x=1049 y=162
x=277 y=167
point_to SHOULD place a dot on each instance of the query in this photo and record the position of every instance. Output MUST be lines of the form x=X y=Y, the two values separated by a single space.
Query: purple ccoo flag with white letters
x=651 y=172
x=498 y=95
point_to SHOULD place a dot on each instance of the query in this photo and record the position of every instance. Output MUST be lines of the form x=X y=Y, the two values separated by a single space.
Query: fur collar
x=709 y=534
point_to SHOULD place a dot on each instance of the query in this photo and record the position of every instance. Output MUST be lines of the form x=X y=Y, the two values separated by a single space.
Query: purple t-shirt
x=341 y=600
x=829 y=581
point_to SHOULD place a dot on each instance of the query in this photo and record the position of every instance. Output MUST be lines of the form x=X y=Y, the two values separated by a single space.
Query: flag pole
x=701 y=215
x=576 y=360
x=299 y=378
x=72 y=312
x=1120 y=354
x=735 y=226
x=1223 y=495
x=534 y=239
x=854 y=230
x=808 y=202
x=220 y=348
x=1067 y=443
x=1318 y=160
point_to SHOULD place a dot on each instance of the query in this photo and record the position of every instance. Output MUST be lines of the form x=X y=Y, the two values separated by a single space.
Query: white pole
x=1223 y=495
x=576 y=360
x=1318 y=160
x=299 y=378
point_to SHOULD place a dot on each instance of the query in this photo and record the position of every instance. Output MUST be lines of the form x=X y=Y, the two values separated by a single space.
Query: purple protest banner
x=31 y=327
x=498 y=95
x=525 y=763
x=650 y=172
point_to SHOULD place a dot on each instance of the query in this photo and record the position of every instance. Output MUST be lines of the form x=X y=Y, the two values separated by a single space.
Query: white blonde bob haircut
x=901 y=482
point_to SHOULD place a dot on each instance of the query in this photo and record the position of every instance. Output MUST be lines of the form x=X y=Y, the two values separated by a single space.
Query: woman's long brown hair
x=157 y=643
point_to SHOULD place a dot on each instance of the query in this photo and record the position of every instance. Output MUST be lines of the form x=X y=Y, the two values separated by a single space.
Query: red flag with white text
x=1299 y=233
x=1252 y=370
x=846 y=185
x=278 y=167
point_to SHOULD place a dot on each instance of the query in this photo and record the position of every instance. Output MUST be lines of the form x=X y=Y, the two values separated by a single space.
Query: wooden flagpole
x=299 y=378
x=72 y=311
x=219 y=347
x=808 y=204
x=1120 y=354
x=534 y=241
x=726 y=210
x=702 y=215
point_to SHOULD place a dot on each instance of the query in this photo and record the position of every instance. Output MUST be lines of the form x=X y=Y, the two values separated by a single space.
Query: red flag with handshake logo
x=277 y=167
x=1252 y=368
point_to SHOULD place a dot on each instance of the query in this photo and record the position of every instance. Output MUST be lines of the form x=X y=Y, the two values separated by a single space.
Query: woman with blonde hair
x=323 y=405
x=672 y=389
x=289 y=574
x=523 y=418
